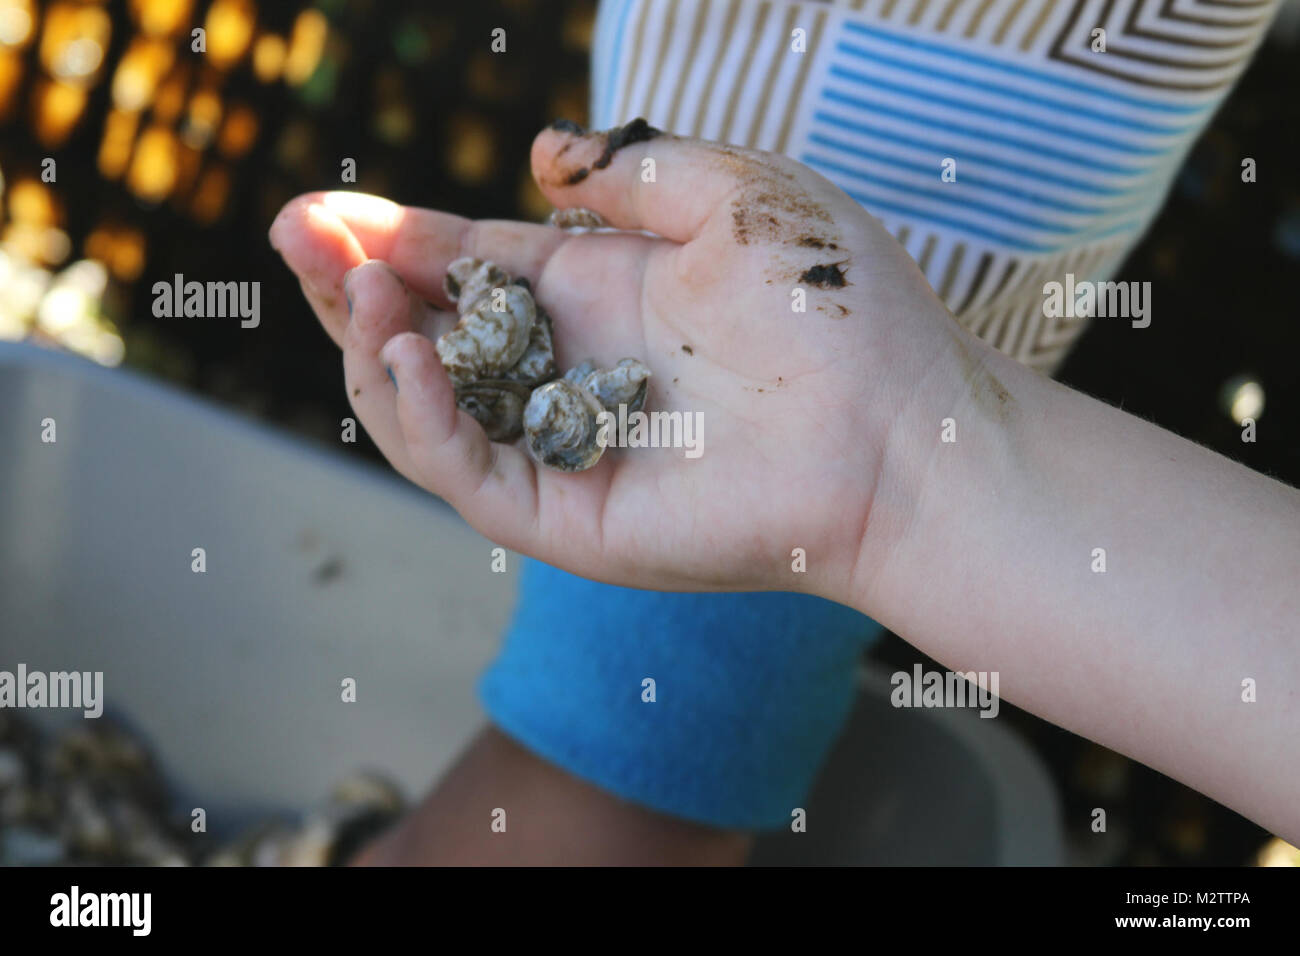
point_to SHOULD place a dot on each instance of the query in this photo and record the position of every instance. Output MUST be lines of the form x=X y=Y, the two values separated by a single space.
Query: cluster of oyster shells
x=87 y=795
x=359 y=808
x=91 y=795
x=500 y=358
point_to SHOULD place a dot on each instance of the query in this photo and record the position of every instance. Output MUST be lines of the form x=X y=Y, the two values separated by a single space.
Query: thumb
x=639 y=177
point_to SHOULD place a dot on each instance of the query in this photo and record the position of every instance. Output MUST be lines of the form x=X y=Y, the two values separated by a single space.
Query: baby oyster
x=576 y=217
x=625 y=384
x=491 y=337
x=468 y=280
x=500 y=350
x=537 y=364
x=497 y=405
x=500 y=358
x=560 y=426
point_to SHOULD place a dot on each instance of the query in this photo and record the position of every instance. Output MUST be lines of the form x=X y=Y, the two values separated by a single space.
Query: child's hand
x=983 y=552
x=796 y=405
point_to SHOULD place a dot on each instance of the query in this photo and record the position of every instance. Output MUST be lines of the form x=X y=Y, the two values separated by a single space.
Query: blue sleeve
x=748 y=694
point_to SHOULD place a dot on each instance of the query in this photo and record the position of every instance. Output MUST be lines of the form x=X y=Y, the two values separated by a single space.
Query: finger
x=493 y=486
x=420 y=243
x=382 y=307
x=432 y=323
x=607 y=172
x=323 y=305
x=320 y=250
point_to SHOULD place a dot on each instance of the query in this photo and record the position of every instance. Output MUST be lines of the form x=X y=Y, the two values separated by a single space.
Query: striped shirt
x=1060 y=143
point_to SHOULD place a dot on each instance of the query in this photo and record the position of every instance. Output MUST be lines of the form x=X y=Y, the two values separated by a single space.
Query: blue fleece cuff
x=749 y=692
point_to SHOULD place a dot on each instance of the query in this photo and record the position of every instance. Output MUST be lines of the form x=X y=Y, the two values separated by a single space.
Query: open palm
x=723 y=248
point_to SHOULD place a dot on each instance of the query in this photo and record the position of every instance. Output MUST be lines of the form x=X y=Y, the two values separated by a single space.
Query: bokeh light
x=1242 y=397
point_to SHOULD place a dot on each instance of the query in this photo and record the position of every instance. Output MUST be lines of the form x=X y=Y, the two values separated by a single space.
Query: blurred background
x=168 y=161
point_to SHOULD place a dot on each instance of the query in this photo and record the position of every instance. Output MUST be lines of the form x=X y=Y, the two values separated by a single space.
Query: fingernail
x=391 y=377
x=568 y=126
x=395 y=274
x=347 y=292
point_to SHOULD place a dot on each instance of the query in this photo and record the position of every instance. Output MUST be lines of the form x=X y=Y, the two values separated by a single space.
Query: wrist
x=950 y=459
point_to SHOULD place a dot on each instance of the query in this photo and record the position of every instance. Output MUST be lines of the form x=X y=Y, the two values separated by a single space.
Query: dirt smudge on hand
x=778 y=217
x=568 y=126
x=829 y=275
x=770 y=204
x=637 y=131
x=986 y=390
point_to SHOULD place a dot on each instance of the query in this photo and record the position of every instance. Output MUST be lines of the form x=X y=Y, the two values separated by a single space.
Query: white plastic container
x=321 y=569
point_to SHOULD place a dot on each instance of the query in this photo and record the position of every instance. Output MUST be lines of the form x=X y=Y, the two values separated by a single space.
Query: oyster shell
x=360 y=807
x=537 y=365
x=491 y=337
x=578 y=374
x=493 y=357
x=624 y=384
x=87 y=795
x=561 y=420
x=501 y=362
x=576 y=217
x=468 y=280
x=560 y=426
x=497 y=405
x=93 y=796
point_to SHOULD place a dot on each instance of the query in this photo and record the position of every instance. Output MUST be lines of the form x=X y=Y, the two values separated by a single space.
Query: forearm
x=992 y=568
x=551 y=818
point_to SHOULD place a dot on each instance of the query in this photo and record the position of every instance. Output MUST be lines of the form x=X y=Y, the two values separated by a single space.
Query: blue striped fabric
x=1063 y=154
x=1035 y=172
